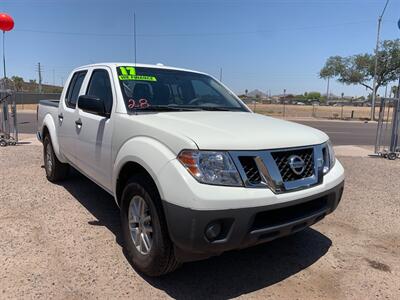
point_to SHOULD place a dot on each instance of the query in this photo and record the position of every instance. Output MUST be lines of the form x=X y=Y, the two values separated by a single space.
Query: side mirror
x=92 y=104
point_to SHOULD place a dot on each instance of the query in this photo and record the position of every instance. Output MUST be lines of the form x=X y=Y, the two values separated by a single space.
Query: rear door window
x=74 y=88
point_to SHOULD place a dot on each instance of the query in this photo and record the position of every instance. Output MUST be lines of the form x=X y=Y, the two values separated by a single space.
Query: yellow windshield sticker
x=137 y=77
x=129 y=73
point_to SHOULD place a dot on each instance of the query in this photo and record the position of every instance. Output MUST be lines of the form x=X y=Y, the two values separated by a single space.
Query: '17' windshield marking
x=132 y=75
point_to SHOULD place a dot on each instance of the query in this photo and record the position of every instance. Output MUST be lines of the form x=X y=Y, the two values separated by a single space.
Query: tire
x=3 y=143
x=159 y=258
x=392 y=156
x=55 y=170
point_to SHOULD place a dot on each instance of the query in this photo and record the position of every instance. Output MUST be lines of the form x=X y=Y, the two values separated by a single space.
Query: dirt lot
x=31 y=107
x=63 y=241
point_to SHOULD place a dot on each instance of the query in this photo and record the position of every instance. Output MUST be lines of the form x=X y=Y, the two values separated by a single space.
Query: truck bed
x=50 y=102
x=47 y=107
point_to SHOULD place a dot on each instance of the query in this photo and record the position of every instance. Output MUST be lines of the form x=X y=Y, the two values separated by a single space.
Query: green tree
x=313 y=96
x=359 y=69
x=18 y=82
x=394 y=91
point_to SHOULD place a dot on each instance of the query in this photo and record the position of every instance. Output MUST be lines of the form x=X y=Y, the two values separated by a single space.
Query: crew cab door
x=95 y=131
x=67 y=114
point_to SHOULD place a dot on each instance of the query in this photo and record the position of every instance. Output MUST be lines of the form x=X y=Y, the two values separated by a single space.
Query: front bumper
x=177 y=186
x=244 y=227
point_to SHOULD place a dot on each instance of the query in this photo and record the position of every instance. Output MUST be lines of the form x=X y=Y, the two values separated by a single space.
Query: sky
x=269 y=45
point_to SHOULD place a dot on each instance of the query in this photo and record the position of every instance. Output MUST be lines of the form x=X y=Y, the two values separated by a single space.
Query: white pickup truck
x=194 y=171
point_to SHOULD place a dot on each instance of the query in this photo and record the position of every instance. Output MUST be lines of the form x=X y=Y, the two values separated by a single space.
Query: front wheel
x=55 y=170
x=146 y=241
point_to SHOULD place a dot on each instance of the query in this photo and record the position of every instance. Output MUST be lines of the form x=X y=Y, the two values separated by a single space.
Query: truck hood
x=234 y=130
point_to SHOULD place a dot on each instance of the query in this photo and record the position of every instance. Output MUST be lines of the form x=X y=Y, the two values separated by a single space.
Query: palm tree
x=18 y=82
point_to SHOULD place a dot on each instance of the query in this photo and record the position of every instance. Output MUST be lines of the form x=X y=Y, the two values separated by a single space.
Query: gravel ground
x=63 y=241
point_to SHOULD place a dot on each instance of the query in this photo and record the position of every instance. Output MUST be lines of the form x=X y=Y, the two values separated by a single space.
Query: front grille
x=282 y=161
x=280 y=170
x=250 y=169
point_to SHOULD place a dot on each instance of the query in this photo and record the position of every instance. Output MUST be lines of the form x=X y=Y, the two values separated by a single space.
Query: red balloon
x=6 y=22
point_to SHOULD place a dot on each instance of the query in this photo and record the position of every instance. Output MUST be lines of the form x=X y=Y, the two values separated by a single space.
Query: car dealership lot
x=63 y=241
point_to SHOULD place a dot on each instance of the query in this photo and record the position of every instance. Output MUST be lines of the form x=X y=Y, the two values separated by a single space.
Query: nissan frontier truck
x=193 y=170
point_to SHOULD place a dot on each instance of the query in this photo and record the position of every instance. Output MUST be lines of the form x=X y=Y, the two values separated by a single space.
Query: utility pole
x=284 y=102
x=54 y=76
x=376 y=63
x=40 y=77
x=220 y=74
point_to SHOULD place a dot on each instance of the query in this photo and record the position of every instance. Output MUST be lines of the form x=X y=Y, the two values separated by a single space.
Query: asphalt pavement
x=340 y=132
x=346 y=132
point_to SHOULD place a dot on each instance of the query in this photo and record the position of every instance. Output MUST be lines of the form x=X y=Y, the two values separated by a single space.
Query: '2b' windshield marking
x=132 y=75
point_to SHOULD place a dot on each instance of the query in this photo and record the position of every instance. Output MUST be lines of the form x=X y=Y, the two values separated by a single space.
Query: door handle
x=60 y=117
x=78 y=123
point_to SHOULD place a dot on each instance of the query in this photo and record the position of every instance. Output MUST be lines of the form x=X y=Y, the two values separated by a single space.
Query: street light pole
x=376 y=63
x=4 y=125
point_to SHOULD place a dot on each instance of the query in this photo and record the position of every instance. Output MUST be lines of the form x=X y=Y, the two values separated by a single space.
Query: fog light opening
x=212 y=231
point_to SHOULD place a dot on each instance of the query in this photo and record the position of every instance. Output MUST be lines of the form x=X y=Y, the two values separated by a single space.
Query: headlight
x=329 y=156
x=211 y=167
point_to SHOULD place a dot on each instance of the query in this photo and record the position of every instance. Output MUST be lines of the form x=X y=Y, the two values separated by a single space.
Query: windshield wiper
x=186 y=108
x=218 y=108
x=165 y=108
x=215 y=108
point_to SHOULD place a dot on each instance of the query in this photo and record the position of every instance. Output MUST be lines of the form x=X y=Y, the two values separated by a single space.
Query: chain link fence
x=388 y=129
x=8 y=119
x=30 y=100
x=10 y=102
x=340 y=112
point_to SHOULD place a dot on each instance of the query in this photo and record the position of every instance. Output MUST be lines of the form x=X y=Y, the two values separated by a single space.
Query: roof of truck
x=158 y=66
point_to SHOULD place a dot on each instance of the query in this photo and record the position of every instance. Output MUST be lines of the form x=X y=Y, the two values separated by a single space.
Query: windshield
x=164 y=90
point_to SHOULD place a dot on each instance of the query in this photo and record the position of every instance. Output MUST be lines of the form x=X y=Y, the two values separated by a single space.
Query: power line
x=199 y=34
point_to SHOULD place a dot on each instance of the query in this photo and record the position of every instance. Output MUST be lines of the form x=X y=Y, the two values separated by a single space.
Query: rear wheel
x=146 y=241
x=55 y=170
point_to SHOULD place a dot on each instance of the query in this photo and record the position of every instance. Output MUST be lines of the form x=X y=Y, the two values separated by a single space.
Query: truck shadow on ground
x=230 y=275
